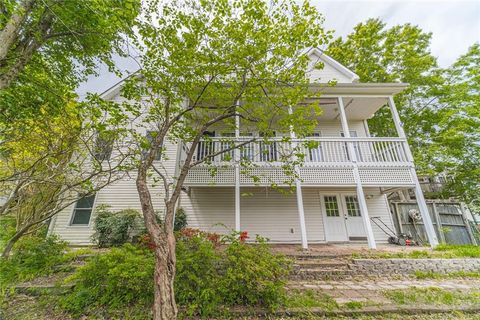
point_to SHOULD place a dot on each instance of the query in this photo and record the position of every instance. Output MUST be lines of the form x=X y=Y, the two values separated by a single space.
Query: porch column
x=236 y=154
x=298 y=189
x=422 y=204
x=360 y=194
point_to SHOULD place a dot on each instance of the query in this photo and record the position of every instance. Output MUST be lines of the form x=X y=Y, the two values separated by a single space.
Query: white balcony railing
x=314 y=151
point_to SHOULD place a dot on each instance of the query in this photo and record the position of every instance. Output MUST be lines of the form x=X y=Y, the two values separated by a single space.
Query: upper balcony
x=321 y=161
x=326 y=158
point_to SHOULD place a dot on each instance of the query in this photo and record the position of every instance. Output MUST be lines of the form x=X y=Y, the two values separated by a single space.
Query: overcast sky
x=455 y=25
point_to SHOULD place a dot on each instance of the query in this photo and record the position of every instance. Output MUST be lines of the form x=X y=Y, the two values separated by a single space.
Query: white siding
x=120 y=195
x=270 y=213
x=328 y=73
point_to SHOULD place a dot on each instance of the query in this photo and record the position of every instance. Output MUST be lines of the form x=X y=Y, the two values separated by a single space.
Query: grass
x=310 y=299
x=442 y=251
x=432 y=296
x=451 y=275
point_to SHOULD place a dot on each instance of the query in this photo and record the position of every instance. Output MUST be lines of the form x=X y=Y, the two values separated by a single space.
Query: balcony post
x=422 y=204
x=298 y=189
x=236 y=153
x=360 y=194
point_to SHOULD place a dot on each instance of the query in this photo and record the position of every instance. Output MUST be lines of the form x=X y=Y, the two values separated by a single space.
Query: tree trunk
x=10 y=32
x=13 y=240
x=164 y=306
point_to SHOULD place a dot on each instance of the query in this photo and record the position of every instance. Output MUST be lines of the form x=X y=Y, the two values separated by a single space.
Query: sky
x=454 y=24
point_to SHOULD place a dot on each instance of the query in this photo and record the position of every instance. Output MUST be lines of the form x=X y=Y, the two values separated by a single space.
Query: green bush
x=209 y=278
x=7 y=229
x=252 y=275
x=113 y=229
x=32 y=257
x=197 y=274
x=118 y=278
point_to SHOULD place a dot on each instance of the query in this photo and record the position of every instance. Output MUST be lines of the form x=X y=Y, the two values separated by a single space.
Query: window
x=206 y=148
x=83 y=210
x=316 y=154
x=225 y=145
x=331 y=206
x=353 y=209
x=356 y=146
x=103 y=148
x=268 y=150
x=247 y=150
x=150 y=136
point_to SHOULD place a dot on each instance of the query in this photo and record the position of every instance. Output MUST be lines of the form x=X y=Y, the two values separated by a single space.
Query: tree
x=438 y=108
x=62 y=35
x=398 y=54
x=206 y=63
x=452 y=147
x=48 y=47
x=49 y=163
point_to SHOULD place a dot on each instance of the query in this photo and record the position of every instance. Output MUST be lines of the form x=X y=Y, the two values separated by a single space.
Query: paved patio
x=340 y=249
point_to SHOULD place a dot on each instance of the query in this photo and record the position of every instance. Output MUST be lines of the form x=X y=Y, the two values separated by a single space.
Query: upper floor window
x=150 y=136
x=83 y=210
x=206 y=148
x=103 y=148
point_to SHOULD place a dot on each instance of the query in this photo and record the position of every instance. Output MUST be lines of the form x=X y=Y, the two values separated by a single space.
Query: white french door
x=342 y=216
x=335 y=228
x=354 y=220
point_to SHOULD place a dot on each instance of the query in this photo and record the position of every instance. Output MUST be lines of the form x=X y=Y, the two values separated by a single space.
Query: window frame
x=158 y=155
x=102 y=145
x=72 y=218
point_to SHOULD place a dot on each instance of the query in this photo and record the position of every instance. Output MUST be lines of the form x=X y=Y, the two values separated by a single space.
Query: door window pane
x=83 y=210
x=353 y=208
x=331 y=206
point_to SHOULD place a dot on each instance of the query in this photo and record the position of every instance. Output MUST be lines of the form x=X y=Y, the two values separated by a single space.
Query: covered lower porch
x=331 y=215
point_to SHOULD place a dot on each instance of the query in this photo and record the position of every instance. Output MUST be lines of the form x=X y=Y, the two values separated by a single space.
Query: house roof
x=353 y=87
x=353 y=77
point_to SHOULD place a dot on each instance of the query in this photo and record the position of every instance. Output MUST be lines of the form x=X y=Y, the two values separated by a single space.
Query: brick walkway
x=385 y=284
x=371 y=291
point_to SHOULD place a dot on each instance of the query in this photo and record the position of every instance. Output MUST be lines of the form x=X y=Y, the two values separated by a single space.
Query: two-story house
x=343 y=180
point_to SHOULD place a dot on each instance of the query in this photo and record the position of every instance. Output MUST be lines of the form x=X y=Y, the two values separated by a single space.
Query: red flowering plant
x=146 y=241
x=243 y=236
x=189 y=233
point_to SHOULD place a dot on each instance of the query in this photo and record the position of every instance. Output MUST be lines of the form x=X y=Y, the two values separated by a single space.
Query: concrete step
x=320 y=264
x=321 y=274
x=310 y=256
x=41 y=289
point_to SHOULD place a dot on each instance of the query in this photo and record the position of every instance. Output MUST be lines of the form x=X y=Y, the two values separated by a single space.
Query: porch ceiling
x=356 y=108
x=361 y=100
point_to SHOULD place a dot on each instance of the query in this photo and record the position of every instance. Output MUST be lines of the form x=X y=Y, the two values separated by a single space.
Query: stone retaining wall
x=384 y=267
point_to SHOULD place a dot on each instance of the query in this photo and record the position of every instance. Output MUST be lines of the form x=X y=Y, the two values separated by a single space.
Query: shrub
x=252 y=275
x=208 y=278
x=32 y=257
x=197 y=275
x=114 y=228
x=7 y=229
x=118 y=278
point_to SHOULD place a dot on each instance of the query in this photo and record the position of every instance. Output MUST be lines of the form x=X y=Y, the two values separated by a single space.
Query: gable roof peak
x=333 y=63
